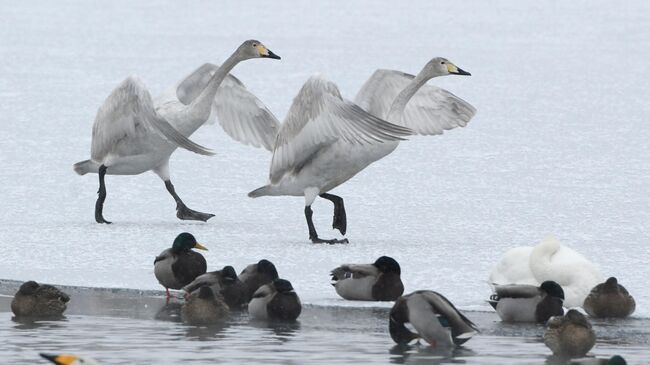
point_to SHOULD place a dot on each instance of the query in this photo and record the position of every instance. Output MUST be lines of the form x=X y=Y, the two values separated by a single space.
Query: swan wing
x=430 y=111
x=128 y=115
x=240 y=113
x=318 y=117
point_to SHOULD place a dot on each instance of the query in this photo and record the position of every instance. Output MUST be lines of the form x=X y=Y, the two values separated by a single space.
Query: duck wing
x=430 y=305
x=354 y=271
x=318 y=117
x=188 y=266
x=430 y=111
x=517 y=291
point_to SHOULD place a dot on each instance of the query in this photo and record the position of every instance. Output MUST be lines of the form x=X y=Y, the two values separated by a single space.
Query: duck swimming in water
x=39 y=301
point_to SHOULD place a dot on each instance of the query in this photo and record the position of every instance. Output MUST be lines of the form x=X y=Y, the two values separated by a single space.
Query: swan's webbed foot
x=185 y=213
x=329 y=242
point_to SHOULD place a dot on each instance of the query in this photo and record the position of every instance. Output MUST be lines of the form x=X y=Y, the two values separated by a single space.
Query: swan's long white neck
x=197 y=113
x=399 y=104
x=540 y=257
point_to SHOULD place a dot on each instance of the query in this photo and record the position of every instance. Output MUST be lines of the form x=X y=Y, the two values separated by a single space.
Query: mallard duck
x=179 y=265
x=378 y=281
x=434 y=317
x=609 y=299
x=256 y=275
x=204 y=307
x=614 y=360
x=224 y=282
x=67 y=359
x=39 y=301
x=276 y=300
x=570 y=335
x=528 y=303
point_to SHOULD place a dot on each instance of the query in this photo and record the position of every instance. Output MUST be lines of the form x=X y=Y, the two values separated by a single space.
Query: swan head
x=441 y=67
x=255 y=49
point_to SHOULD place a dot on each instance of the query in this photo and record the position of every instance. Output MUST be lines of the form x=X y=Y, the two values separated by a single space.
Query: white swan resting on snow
x=131 y=135
x=549 y=260
x=326 y=140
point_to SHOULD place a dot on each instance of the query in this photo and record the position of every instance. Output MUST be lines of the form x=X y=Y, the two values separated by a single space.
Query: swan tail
x=84 y=167
x=264 y=190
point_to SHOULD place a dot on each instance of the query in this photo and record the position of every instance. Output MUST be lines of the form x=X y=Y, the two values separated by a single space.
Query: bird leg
x=182 y=211
x=313 y=236
x=101 y=196
x=340 y=220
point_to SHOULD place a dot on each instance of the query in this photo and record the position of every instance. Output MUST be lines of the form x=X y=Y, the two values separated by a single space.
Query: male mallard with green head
x=177 y=266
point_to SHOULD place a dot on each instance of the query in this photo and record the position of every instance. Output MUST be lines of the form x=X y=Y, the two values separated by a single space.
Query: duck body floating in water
x=435 y=319
x=569 y=335
x=35 y=300
x=204 y=307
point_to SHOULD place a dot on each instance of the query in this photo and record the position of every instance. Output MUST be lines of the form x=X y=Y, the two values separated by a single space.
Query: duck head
x=553 y=289
x=185 y=242
x=28 y=287
x=387 y=264
x=282 y=286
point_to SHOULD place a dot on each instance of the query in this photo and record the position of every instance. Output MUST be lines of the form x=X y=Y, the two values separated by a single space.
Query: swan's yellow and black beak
x=200 y=246
x=60 y=359
x=452 y=69
x=266 y=53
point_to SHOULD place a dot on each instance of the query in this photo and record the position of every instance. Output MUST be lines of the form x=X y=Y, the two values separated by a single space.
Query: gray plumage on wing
x=435 y=319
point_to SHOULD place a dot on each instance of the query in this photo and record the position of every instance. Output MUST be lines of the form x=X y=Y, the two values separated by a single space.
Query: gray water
x=137 y=327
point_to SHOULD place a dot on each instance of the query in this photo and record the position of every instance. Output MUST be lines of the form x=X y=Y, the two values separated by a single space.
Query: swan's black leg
x=313 y=236
x=340 y=220
x=101 y=196
x=182 y=211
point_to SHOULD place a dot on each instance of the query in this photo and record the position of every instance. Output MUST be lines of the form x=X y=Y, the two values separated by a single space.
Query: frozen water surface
x=559 y=144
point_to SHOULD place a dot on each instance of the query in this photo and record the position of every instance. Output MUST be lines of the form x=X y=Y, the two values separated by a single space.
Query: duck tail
x=84 y=167
x=264 y=190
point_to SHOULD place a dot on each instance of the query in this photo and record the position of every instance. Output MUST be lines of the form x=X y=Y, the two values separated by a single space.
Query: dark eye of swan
x=442 y=63
x=254 y=44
